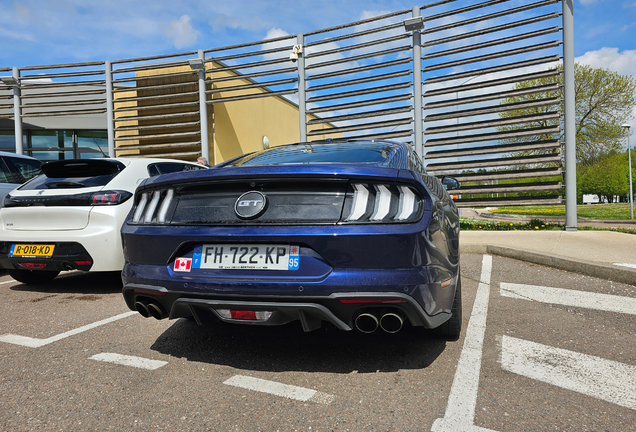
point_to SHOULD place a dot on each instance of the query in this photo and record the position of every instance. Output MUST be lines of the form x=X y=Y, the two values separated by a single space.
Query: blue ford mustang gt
x=354 y=233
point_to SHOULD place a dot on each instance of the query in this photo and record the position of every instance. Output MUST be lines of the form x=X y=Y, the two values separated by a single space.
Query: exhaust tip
x=366 y=323
x=142 y=309
x=391 y=322
x=156 y=311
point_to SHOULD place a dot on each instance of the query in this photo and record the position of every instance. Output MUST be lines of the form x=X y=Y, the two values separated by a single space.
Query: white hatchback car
x=69 y=217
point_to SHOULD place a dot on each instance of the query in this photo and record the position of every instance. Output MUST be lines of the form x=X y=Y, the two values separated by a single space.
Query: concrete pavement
x=604 y=254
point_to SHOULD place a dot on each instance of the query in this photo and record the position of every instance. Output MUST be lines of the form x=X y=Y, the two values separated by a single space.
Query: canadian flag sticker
x=183 y=264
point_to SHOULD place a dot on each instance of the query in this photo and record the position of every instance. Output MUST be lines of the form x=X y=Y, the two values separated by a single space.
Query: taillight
x=153 y=206
x=382 y=203
x=109 y=197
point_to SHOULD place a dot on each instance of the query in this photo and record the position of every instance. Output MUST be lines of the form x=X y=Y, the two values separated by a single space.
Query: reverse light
x=244 y=315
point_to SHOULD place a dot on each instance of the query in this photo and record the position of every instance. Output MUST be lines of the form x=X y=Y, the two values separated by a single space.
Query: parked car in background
x=69 y=216
x=16 y=169
x=354 y=233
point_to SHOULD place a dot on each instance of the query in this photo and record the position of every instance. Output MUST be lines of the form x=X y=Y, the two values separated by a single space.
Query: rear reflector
x=32 y=265
x=83 y=262
x=244 y=315
x=372 y=301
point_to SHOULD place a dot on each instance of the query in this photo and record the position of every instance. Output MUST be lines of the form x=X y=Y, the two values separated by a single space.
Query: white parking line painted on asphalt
x=36 y=343
x=6 y=282
x=600 y=378
x=565 y=297
x=126 y=360
x=625 y=265
x=460 y=411
x=278 y=389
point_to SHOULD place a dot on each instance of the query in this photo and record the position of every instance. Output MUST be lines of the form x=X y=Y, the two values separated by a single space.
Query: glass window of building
x=48 y=145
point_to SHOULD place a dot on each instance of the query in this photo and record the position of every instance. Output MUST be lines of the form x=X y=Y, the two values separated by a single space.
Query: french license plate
x=242 y=256
x=31 y=250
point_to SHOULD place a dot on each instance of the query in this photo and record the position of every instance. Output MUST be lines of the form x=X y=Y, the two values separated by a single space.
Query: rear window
x=72 y=174
x=323 y=153
x=171 y=167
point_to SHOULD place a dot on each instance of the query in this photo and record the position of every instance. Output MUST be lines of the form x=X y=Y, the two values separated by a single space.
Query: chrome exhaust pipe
x=366 y=323
x=157 y=311
x=142 y=309
x=391 y=322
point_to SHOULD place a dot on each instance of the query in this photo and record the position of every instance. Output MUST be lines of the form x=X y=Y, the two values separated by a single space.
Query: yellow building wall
x=234 y=128
x=239 y=126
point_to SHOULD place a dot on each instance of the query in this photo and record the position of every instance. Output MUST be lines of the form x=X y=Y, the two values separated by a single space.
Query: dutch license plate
x=31 y=250
x=242 y=256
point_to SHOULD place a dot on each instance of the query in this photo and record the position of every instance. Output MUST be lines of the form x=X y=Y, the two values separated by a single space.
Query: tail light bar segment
x=153 y=206
x=383 y=203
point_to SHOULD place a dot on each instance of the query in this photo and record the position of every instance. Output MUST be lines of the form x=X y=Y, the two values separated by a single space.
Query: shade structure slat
x=494 y=149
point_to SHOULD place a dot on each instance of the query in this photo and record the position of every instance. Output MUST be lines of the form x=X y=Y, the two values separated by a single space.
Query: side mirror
x=450 y=183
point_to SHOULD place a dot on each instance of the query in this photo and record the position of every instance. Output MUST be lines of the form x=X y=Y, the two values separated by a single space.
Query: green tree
x=607 y=177
x=604 y=101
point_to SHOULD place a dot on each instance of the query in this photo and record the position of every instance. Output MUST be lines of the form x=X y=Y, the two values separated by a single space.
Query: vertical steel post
x=417 y=87
x=302 y=100
x=203 y=111
x=569 y=115
x=110 y=116
x=631 y=190
x=17 y=112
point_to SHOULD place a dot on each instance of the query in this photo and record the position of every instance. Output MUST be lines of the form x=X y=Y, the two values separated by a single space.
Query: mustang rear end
x=362 y=246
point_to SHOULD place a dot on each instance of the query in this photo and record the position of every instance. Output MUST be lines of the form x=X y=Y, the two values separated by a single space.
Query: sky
x=45 y=32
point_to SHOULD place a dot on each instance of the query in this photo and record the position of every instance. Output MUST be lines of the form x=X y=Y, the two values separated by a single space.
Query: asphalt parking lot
x=541 y=350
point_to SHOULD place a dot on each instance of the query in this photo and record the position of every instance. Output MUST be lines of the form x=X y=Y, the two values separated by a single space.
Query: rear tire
x=451 y=329
x=33 y=276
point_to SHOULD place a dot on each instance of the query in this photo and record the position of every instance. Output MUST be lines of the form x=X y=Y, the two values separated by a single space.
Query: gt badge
x=250 y=205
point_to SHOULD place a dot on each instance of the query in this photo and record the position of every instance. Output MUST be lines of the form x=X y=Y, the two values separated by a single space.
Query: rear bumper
x=99 y=241
x=340 y=309
x=66 y=256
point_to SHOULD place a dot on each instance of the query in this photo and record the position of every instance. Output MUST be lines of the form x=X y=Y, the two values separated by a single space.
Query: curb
x=586 y=268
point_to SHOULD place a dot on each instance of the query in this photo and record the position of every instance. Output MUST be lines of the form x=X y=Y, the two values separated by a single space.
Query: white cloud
x=623 y=63
x=610 y=58
x=181 y=32
x=275 y=33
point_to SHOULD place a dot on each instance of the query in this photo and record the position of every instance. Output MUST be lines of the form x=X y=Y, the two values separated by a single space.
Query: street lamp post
x=629 y=159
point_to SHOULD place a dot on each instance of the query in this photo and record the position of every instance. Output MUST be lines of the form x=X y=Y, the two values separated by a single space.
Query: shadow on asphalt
x=76 y=282
x=288 y=348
